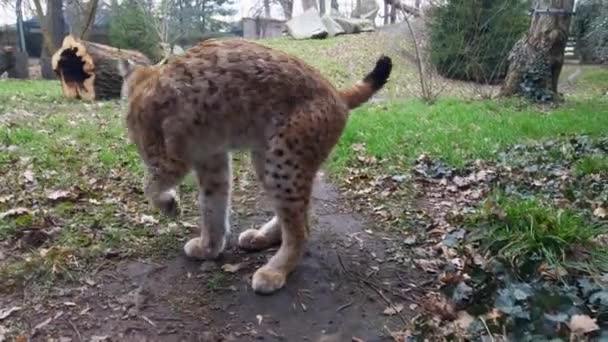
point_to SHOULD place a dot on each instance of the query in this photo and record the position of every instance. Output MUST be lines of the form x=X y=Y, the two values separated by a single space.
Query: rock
x=352 y=25
x=333 y=28
x=307 y=25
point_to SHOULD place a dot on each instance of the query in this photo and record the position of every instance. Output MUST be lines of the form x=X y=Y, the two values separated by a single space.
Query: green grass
x=460 y=131
x=595 y=164
x=528 y=232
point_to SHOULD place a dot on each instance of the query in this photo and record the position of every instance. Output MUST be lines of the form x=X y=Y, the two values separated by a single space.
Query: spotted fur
x=221 y=95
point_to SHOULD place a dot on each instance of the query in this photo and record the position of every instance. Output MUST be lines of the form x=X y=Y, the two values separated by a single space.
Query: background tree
x=471 y=39
x=82 y=15
x=132 y=28
x=590 y=28
x=537 y=58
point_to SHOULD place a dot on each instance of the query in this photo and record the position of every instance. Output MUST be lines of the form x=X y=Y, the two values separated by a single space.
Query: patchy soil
x=341 y=288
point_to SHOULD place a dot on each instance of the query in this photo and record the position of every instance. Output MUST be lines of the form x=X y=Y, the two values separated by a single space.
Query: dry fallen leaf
x=427 y=265
x=232 y=268
x=29 y=176
x=14 y=212
x=393 y=310
x=437 y=304
x=600 y=212
x=59 y=195
x=464 y=320
x=148 y=219
x=582 y=324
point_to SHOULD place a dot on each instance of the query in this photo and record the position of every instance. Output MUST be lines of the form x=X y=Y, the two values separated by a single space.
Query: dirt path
x=177 y=299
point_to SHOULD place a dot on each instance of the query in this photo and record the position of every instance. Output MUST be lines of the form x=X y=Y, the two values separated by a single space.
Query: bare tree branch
x=90 y=18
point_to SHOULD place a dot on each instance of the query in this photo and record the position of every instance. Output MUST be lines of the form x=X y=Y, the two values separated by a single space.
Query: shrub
x=590 y=29
x=132 y=28
x=471 y=39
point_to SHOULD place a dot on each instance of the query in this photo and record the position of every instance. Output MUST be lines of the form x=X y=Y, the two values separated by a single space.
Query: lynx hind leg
x=290 y=188
x=270 y=233
x=214 y=177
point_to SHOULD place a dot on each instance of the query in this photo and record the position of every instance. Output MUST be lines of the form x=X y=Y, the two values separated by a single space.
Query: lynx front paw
x=169 y=207
x=252 y=240
x=267 y=280
x=167 y=204
x=197 y=250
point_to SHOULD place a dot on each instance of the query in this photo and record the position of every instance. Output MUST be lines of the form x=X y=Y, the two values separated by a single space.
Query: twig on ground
x=344 y=306
x=373 y=287
x=487 y=328
x=75 y=330
x=148 y=320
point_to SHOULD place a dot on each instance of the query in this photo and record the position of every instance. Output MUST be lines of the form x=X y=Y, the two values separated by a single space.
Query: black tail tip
x=379 y=76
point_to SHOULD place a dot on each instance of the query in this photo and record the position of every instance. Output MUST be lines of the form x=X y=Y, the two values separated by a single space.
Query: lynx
x=224 y=95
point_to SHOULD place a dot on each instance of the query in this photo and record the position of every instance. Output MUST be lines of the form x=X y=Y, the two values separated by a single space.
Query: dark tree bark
x=89 y=70
x=399 y=5
x=536 y=60
x=267 y=8
x=53 y=24
x=306 y=4
x=20 y=33
x=287 y=6
x=386 y=9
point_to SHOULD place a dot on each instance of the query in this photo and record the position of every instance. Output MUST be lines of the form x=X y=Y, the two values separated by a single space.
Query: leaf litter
x=477 y=295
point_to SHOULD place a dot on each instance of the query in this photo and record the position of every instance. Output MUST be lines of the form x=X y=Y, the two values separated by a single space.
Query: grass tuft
x=528 y=233
x=595 y=164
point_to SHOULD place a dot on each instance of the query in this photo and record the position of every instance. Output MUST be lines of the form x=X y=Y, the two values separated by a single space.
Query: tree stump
x=14 y=62
x=536 y=60
x=89 y=70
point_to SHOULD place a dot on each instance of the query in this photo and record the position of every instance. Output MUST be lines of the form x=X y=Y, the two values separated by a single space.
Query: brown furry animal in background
x=233 y=94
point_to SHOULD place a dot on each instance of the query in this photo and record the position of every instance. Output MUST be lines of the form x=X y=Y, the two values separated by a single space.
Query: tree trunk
x=536 y=60
x=89 y=70
x=267 y=8
x=386 y=7
x=55 y=27
x=307 y=4
x=20 y=33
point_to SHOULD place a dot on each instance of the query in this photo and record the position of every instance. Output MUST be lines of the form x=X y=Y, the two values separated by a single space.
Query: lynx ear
x=125 y=67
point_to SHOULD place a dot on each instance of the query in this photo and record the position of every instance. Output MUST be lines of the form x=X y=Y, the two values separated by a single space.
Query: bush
x=590 y=29
x=471 y=39
x=131 y=28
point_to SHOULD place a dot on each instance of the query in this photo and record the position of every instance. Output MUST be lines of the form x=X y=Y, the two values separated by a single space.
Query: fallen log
x=89 y=70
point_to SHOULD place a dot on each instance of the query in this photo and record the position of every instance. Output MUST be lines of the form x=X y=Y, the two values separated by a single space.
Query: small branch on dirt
x=75 y=329
x=487 y=328
x=322 y=200
x=372 y=286
x=344 y=306
x=148 y=320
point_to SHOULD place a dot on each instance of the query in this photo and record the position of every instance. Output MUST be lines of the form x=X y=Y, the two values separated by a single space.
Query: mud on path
x=335 y=294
